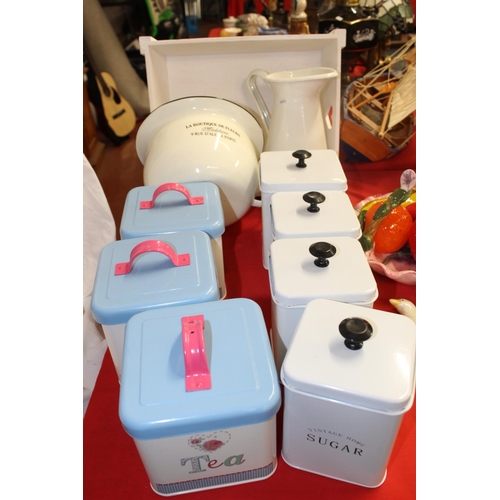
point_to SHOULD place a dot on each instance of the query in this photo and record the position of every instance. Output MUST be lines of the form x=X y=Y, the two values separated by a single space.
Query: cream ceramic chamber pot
x=204 y=139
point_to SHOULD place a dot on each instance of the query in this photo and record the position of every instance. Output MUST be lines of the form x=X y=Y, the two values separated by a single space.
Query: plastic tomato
x=412 y=209
x=394 y=231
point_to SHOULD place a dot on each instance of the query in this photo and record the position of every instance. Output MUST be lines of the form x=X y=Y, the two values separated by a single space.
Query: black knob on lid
x=355 y=331
x=322 y=250
x=301 y=155
x=313 y=197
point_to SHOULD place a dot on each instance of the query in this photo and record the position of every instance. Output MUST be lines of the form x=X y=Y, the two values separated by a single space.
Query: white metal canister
x=199 y=395
x=303 y=269
x=299 y=214
x=349 y=378
x=292 y=171
x=172 y=207
x=139 y=274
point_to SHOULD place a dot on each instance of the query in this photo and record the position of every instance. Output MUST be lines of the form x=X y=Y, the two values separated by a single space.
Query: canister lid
x=155 y=399
x=172 y=207
x=333 y=267
x=153 y=279
x=313 y=213
x=281 y=171
x=379 y=374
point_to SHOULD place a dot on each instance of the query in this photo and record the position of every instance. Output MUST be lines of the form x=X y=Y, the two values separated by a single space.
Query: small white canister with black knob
x=304 y=269
x=302 y=214
x=349 y=379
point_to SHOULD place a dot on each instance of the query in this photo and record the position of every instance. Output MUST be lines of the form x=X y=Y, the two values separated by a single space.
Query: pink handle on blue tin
x=198 y=376
x=171 y=186
x=178 y=260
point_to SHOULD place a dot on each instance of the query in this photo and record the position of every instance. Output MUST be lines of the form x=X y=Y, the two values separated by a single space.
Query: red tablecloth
x=112 y=467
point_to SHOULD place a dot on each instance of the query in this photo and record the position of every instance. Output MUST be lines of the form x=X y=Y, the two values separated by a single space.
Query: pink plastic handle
x=198 y=376
x=178 y=260
x=171 y=186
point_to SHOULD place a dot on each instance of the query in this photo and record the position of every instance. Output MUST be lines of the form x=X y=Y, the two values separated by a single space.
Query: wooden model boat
x=378 y=109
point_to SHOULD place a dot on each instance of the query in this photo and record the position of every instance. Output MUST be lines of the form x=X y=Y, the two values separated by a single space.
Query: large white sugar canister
x=299 y=214
x=199 y=395
x=291 y=171
x=349 y=379
x=139 y=274
x=303 y=269
x=171 y=207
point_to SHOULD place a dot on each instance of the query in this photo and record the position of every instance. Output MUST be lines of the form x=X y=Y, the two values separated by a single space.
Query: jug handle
x=257 y=96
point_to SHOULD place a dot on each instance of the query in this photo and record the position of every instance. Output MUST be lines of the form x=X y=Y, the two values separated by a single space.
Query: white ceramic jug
x=297 y=121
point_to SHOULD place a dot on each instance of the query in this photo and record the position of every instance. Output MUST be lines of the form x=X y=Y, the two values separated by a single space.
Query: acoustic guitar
x=115 y=115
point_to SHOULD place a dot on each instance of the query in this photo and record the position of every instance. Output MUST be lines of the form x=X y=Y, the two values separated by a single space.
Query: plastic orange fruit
x=393 y=231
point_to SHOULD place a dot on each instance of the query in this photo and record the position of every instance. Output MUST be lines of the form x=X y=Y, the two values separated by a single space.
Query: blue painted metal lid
x=154 y=280
x=174 y=207
x=154 y=400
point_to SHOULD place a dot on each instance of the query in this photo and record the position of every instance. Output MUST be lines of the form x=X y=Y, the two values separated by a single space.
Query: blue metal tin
x=176 y=207
x=154 y=280
x=154 y=402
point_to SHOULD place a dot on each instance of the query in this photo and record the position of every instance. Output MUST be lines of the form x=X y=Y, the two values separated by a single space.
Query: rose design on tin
x=209 y=442
x=212 y=445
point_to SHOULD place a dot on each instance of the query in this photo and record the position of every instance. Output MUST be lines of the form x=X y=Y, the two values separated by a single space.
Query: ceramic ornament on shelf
x=298 y=18
x=251 y=22
x=405 y=307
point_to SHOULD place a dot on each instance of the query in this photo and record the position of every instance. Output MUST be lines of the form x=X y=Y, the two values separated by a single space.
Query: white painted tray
x=219 y=67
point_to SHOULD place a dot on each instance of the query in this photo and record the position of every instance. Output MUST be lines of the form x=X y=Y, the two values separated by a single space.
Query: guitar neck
x=97 y=73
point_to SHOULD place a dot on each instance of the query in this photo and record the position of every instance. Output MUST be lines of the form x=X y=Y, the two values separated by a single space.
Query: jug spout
x=297 y=120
